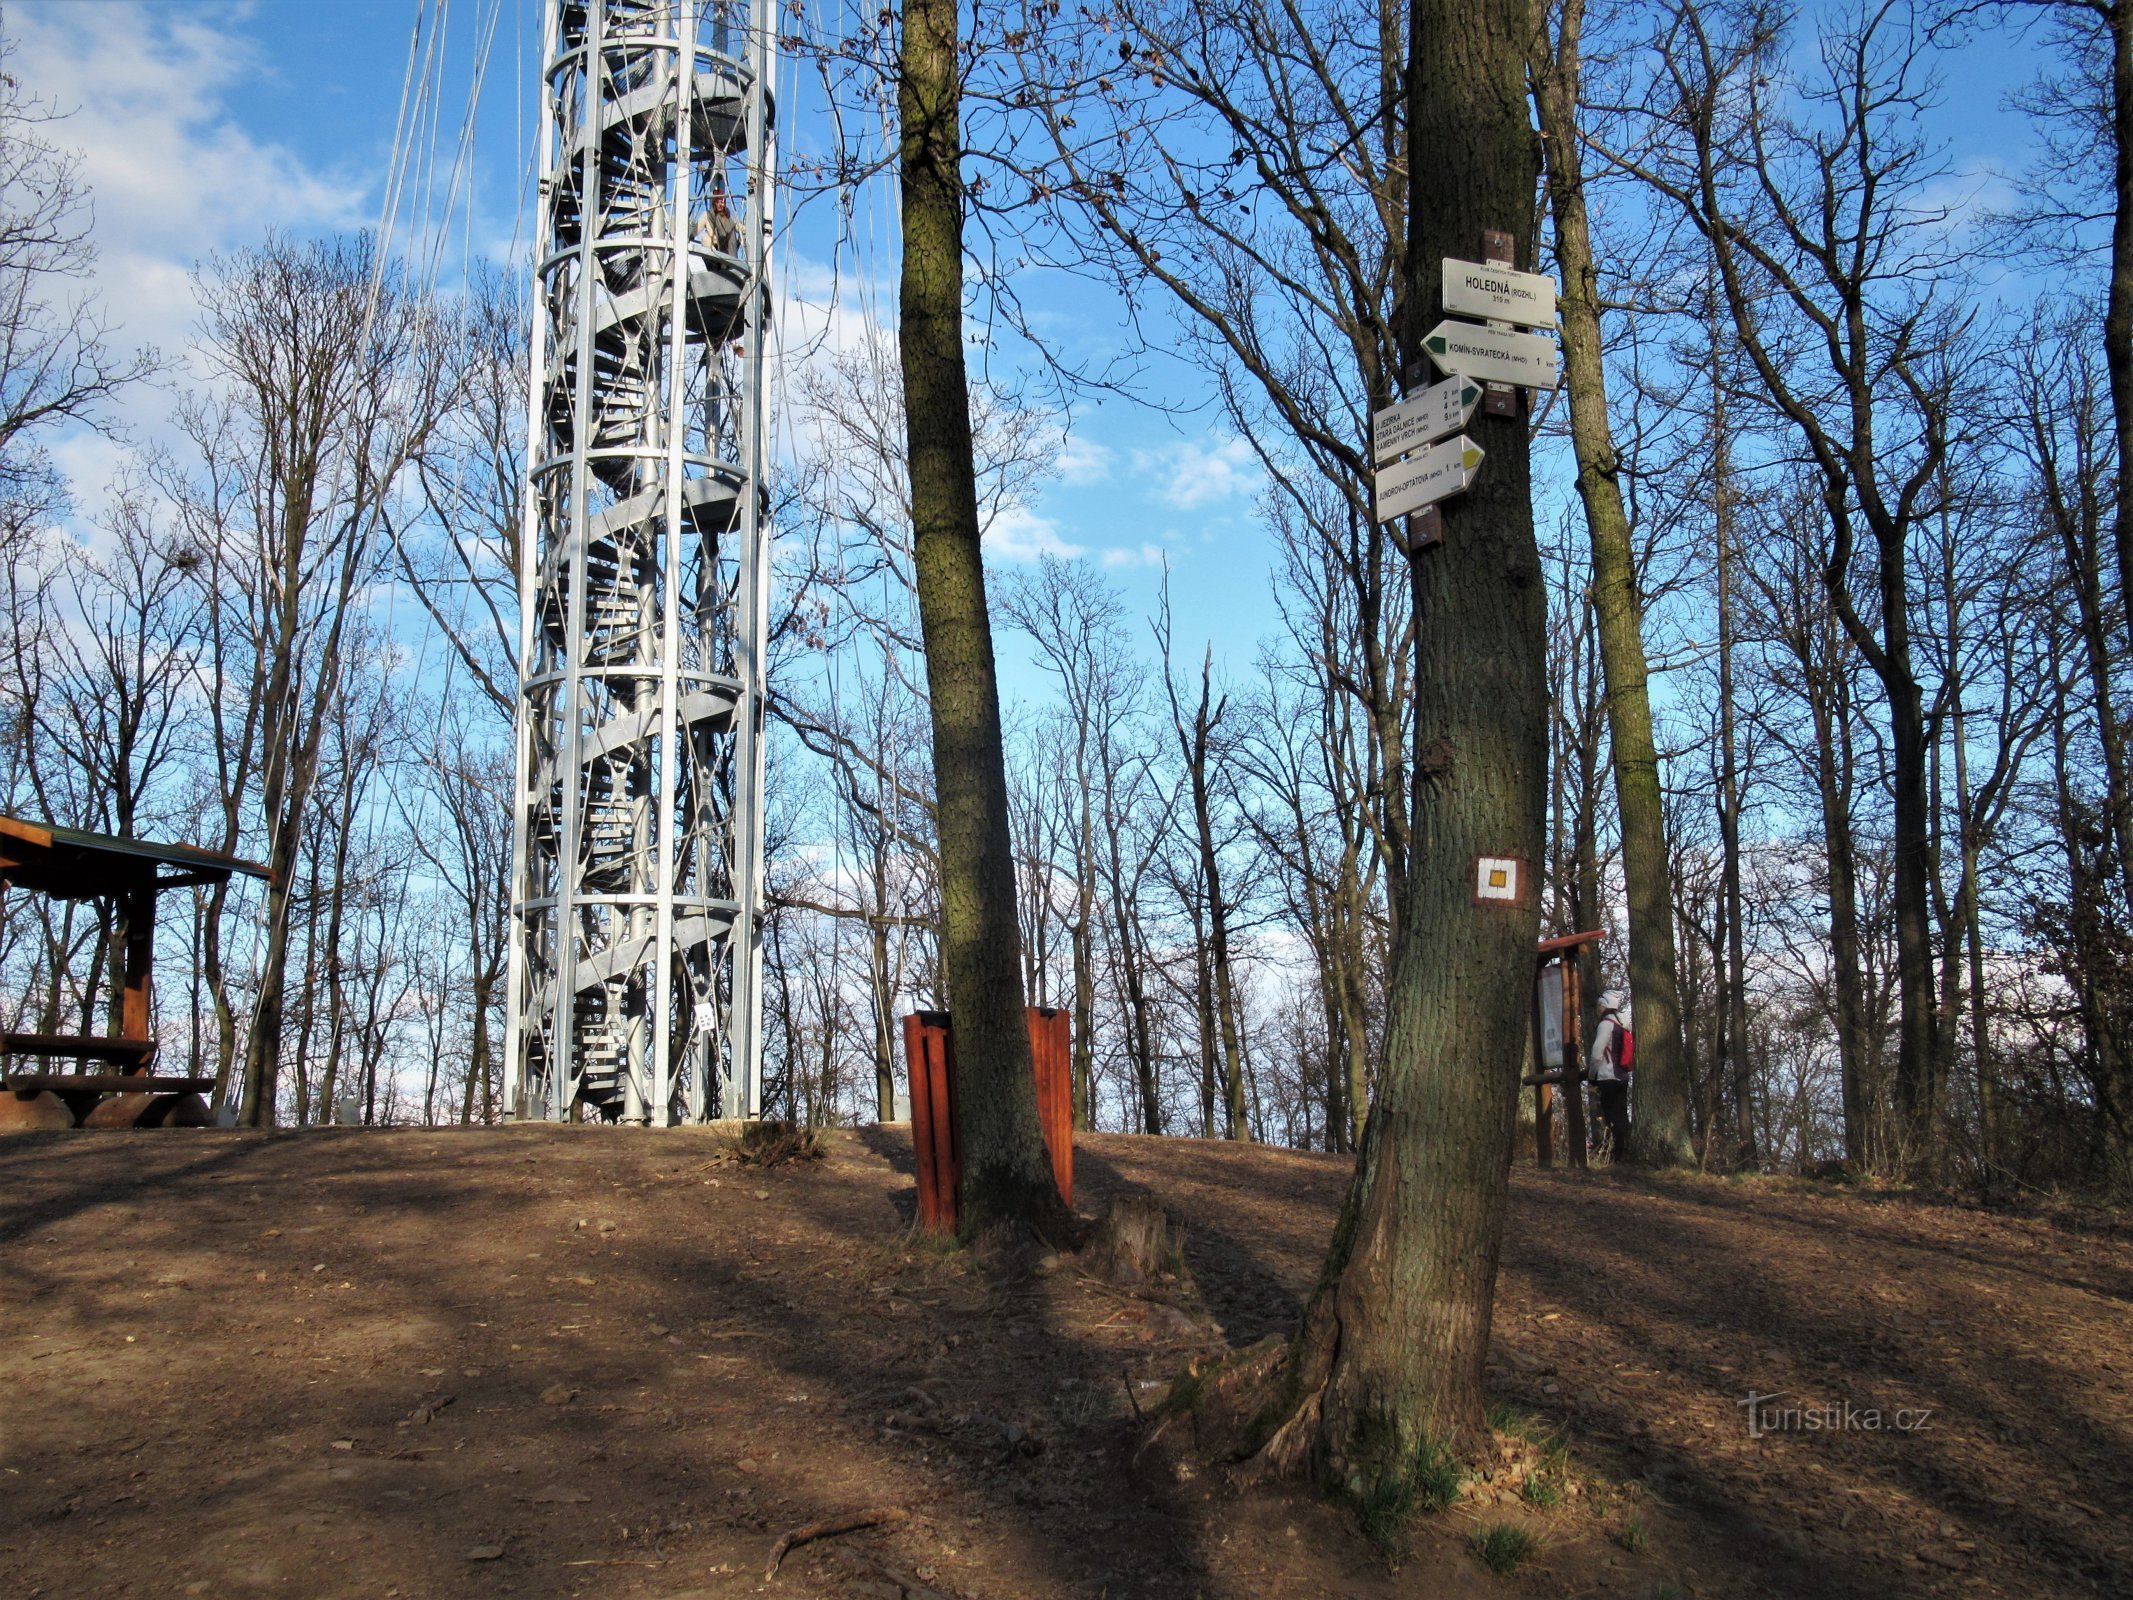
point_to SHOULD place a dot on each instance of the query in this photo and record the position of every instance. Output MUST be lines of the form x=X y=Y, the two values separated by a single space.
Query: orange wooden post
x=1051 y=1050
x=929 y=1056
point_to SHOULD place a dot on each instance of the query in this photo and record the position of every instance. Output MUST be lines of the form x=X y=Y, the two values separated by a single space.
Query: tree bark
x=1007 y=1177
x=1661 y=1087
x=1388 y=1366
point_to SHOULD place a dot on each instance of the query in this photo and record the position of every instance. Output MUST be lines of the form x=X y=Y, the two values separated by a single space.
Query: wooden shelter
x=69 y=864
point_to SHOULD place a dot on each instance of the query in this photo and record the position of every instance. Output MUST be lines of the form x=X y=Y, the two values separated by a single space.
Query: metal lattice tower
x=635 y=990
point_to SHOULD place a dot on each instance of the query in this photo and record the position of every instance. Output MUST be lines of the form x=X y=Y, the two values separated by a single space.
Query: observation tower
x=637 y=847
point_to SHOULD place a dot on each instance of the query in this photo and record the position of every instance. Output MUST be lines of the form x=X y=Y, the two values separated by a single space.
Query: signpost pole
x=1499 y=399
x=1425 y=527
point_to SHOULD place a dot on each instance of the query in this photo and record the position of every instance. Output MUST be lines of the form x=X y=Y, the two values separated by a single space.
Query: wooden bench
x=119 y=1050
x=104 y=1083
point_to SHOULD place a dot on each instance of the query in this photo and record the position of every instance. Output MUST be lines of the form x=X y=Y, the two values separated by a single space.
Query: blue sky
x=202 y=125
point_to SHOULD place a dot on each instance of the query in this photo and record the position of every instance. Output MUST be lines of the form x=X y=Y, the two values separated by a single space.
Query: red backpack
x=1623 y=1047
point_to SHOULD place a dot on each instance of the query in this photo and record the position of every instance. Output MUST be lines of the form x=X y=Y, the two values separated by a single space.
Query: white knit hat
x=1613 y=1000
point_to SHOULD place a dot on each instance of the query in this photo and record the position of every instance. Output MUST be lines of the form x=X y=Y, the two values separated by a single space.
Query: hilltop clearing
x=561 y=1361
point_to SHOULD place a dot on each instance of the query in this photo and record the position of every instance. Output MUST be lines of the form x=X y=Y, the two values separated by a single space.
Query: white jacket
x=1599 y=1065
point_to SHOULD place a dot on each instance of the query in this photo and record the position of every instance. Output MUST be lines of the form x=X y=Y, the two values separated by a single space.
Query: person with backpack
x=1609 y=1065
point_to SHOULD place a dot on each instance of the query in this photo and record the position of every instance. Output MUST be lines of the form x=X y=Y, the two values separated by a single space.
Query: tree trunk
x=1007 y=1176
x=1355 y=1010
x=1918 y=1014
x=262 y=1051
x=1662 y=1102
x=1203 y=995
x=884 y=1000
x=1084 y=1012
x=1141 y=1039
x=307 y=1011
x=1729 y=784
x=2118 y=310
x=1388 y=1367
x=218 y=991
x=1855 y=1053
x=1197 y=747
x=1336 y=1098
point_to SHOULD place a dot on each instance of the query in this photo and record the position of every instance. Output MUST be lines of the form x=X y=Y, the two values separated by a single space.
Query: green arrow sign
x=1493 y=355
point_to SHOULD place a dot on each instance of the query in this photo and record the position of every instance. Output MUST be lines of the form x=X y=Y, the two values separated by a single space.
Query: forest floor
x=570 y=1361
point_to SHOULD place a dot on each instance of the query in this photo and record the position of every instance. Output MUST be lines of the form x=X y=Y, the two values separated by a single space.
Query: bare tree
x=1662 y=1101
x=1812 y=193
x=57 y=362
x=1200 y=748
x=332 y=378
x=1074 y=619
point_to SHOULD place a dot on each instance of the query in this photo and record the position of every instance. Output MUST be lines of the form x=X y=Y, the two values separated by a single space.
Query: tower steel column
x=637 y=851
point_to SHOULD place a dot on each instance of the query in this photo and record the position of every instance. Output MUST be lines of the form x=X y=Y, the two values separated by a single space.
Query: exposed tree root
x=829 y=1527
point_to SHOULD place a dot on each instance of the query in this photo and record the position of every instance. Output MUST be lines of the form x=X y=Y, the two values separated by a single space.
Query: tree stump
x=1133 y=1243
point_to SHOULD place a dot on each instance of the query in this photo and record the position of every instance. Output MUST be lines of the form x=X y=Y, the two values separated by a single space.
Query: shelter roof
x=1569 y=941
x=73 y=864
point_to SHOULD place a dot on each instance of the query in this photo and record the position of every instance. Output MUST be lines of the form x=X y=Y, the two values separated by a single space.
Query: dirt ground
x=563 y=1361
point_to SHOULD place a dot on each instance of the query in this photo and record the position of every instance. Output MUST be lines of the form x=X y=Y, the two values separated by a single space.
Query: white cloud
x=1083 y=461
x=146 y=96
x=1203 y=473
x=1019 y=535
x=1144 y=555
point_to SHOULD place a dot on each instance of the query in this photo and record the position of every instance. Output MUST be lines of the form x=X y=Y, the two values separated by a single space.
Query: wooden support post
x=1543 y=1135
x=138 y=907
x=1573 y=1061
x=1424 y=527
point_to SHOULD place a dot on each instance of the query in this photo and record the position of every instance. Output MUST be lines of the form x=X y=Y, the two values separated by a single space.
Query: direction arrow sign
x=1440 y=409
x=1478 y=289
x=1423 y=479
x=1493 y=355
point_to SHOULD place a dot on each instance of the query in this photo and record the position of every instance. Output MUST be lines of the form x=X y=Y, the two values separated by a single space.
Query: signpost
x=1426 y=477
x=1486 y=363
x=1420 y=419
x=1461 y=348
x=1498 y=293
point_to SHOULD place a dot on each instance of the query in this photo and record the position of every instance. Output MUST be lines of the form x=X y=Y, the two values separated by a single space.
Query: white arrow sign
x=1478 y=289
x=1440 y=409
x=1492 y=354
x=1423 y=479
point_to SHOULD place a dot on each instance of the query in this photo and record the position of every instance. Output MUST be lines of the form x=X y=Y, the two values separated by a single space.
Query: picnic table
x=129 y=874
